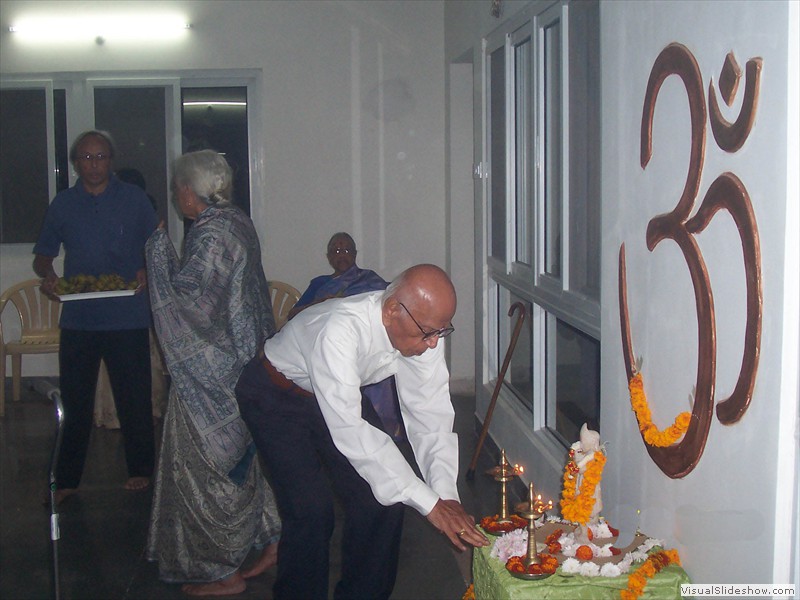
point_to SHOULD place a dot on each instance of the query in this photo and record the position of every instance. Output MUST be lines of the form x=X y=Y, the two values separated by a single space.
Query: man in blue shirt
x=103 y=225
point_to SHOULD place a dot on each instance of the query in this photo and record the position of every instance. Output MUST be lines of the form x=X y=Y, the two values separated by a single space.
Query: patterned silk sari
x=211 y=310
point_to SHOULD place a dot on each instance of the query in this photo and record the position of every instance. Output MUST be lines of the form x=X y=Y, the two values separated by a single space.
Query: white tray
x=96 y=295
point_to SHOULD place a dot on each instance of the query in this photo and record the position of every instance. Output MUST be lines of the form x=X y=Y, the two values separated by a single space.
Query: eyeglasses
x=100 y=157
x=426 y=335
x=341 y=251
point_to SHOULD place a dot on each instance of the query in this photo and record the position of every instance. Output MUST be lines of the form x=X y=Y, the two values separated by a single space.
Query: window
x=497 y=119
x=136 y=117
x=519 y=376
x=24 y=168
x=544 y=232
x=144 y=116
x=216 y=118
x=573 y=380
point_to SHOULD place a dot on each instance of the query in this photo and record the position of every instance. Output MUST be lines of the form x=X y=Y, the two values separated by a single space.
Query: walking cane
x=517 y=306
x=54 y=394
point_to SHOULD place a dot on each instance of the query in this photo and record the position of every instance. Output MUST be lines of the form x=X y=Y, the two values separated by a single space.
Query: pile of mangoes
x=81 y=284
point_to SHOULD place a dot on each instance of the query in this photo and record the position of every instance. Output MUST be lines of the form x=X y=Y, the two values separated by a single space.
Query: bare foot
x=137 y=483
x=234 y=584
x=267 y=560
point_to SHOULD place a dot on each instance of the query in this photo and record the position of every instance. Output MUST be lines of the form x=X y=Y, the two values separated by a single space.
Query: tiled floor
x=103 y=529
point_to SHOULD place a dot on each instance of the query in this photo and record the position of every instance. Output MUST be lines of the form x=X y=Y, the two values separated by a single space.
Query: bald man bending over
x=301 y=400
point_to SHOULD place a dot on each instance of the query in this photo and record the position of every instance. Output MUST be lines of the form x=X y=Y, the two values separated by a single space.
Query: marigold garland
x=637 y=580
x=578 y=508
x=470 y=593
x=494 y=526
x=552 y=543
x=652 y=435
x=547 y=565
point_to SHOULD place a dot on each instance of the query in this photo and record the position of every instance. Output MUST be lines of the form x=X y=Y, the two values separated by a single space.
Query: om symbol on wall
x=727 y=192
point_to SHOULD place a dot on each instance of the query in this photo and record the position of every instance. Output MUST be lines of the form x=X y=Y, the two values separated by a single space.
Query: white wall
x=734 y=517
x=353 y=117
x=738 y=500
x=461 y=222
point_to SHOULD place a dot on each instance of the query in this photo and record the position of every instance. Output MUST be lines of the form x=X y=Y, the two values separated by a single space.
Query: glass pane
x=24 y=188
x=573 y=380
x=135 y=118
x=497 y=114
x=62 y=144
x=519 y=375
x=215 y=118
x=552 y=150
x=584 y=149
x=522 y=103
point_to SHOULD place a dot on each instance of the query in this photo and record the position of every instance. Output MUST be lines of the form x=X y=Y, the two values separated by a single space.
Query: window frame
x=79 y=91
x=549 y=295
x=47 y=86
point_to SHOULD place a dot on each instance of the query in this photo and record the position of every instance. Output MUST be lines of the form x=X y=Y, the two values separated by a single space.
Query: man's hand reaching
x=450 y=518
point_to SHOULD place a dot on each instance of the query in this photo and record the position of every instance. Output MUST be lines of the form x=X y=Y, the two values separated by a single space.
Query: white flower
x=601 y=531
x=649 y=543
x=571 y=565
x=513 y=543
x=590 y=569
x=610 y=570
x=604 y=551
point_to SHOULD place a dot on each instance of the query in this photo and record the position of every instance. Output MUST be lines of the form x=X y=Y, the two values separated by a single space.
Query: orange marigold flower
x=584 y=553
x=470 y=593
x=674 y=557
x=554 y=547
x=577 y=506
x=553 y=537
x=651 y=434
x=492 y=525
x=486 y=520
x=654 y=563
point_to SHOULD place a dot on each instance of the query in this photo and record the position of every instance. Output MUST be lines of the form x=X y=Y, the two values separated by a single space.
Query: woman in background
x=380 y=405
x=211 y=311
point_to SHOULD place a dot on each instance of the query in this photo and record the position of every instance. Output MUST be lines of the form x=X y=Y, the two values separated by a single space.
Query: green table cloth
x=493 y=582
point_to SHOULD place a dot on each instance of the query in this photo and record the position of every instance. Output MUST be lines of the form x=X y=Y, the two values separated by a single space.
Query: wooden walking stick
x=517 y=306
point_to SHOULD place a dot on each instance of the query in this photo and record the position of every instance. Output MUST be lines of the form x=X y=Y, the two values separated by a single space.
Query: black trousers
x=127 y=357
x=305 y=470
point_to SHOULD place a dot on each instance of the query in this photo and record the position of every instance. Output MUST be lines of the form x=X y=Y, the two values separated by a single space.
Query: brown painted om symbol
x=726 y=192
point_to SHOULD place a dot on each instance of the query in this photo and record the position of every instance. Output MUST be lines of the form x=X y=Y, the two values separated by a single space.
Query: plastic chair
x=39 y=332
x=283 y=298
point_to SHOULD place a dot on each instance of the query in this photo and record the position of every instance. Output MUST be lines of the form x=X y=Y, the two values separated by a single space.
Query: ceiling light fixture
x=100 y=29
x=213 y=103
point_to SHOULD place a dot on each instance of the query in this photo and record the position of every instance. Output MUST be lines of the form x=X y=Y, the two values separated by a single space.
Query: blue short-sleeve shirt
x=101 y=235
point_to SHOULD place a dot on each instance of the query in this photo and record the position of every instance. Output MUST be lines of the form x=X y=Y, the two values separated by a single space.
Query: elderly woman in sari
x=211 y=311
x=379 y=401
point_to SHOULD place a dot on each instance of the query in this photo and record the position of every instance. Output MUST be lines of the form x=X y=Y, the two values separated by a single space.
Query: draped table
x=493 y=582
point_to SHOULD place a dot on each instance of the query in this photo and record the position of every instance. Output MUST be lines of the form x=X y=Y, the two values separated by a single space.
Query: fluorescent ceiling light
x=213 y=103
x=100 y=29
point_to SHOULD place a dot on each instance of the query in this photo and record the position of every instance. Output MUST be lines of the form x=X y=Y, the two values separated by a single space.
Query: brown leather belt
x=279 y=380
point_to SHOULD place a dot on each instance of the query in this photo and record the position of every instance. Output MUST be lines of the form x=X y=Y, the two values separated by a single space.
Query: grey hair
x=73 y=149
x=208 y=175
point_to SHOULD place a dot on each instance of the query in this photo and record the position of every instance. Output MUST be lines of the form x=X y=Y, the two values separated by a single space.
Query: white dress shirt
x=335 y=347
